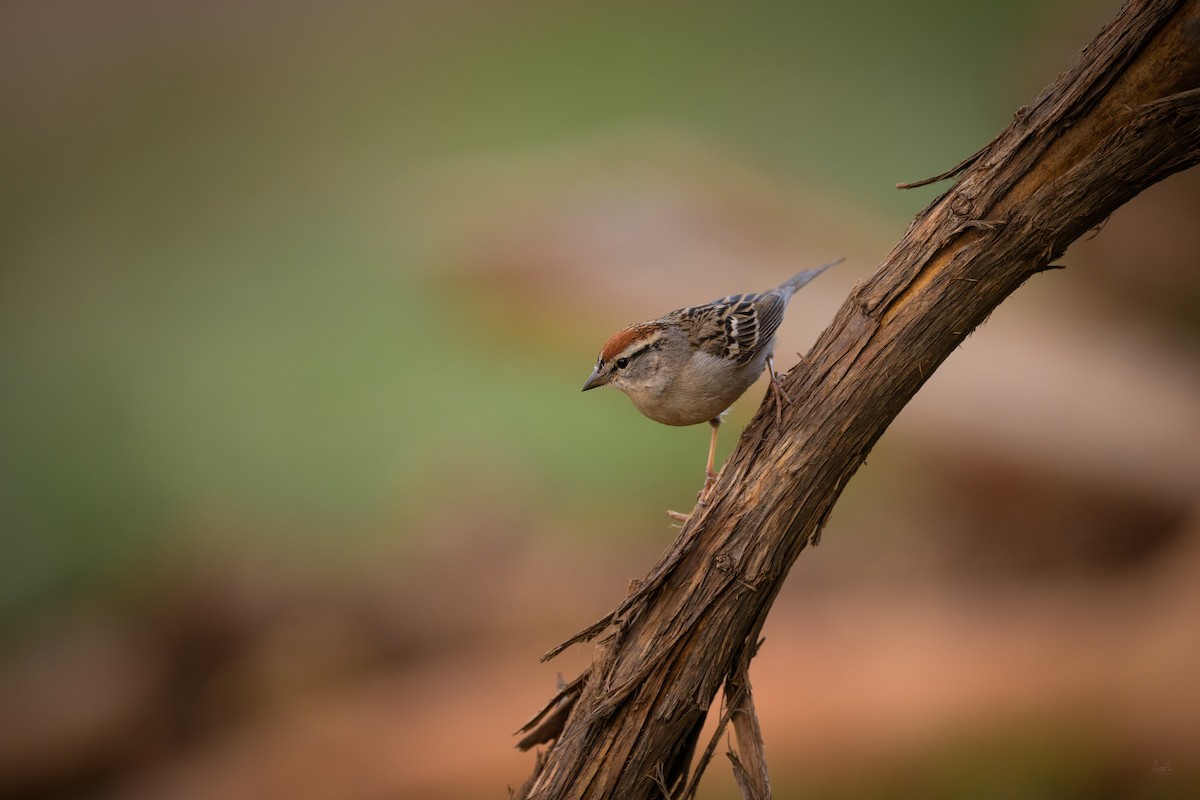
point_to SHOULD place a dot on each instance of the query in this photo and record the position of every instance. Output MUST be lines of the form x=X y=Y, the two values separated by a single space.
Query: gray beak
x=594 y=380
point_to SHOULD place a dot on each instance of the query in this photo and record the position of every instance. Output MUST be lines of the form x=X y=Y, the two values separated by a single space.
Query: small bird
x=690 y=365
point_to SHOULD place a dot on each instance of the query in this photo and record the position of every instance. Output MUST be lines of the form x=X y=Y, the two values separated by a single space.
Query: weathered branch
x=750 y=762
x=1125 y=116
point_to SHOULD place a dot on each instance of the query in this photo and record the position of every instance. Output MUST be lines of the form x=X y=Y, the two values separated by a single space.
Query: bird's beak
x=594 y=380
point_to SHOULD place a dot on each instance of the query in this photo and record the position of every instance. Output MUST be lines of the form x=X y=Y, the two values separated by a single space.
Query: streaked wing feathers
x=735 y=327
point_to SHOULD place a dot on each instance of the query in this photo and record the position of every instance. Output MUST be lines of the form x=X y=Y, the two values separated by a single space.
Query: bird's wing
x=735 y=327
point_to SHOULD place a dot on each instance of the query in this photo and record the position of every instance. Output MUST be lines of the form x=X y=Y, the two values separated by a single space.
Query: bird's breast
x=706 y=387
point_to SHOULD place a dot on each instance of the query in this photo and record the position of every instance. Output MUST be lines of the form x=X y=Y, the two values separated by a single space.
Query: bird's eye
x=622 y=363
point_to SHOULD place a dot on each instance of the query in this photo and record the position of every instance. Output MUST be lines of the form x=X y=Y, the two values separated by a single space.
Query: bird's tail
x=795 y=283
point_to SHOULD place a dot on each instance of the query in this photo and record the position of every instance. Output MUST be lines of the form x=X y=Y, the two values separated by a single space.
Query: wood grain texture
x=1125 y=116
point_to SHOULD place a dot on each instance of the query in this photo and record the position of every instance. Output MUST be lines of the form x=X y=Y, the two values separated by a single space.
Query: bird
x=690 y=365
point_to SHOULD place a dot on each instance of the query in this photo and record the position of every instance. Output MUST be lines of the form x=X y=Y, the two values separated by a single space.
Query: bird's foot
x=710 y=479
x=679 y=516
x=781 y=397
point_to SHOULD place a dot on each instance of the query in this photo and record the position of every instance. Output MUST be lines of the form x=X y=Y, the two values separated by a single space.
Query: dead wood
x=1126 y=115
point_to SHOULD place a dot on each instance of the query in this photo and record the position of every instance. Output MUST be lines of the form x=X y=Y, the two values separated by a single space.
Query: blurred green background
x=225 y=241
x=308 y=290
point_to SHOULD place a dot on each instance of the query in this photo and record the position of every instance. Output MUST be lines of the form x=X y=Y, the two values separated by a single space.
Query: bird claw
x=710 y=479
x=776 y=389
x=777 y=386
x=781 y=397
x=679 y=516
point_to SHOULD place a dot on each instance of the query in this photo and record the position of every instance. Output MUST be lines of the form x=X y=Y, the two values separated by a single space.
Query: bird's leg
x=781 y=396
x=710 y=477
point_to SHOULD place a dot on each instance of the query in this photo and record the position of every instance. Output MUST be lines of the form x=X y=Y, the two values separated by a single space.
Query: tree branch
x=1125 y=116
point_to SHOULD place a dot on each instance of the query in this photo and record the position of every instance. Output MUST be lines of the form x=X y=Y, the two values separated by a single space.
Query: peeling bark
x=1124 y=117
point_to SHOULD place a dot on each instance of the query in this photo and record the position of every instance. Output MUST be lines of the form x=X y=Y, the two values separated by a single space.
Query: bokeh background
x=296 y=481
